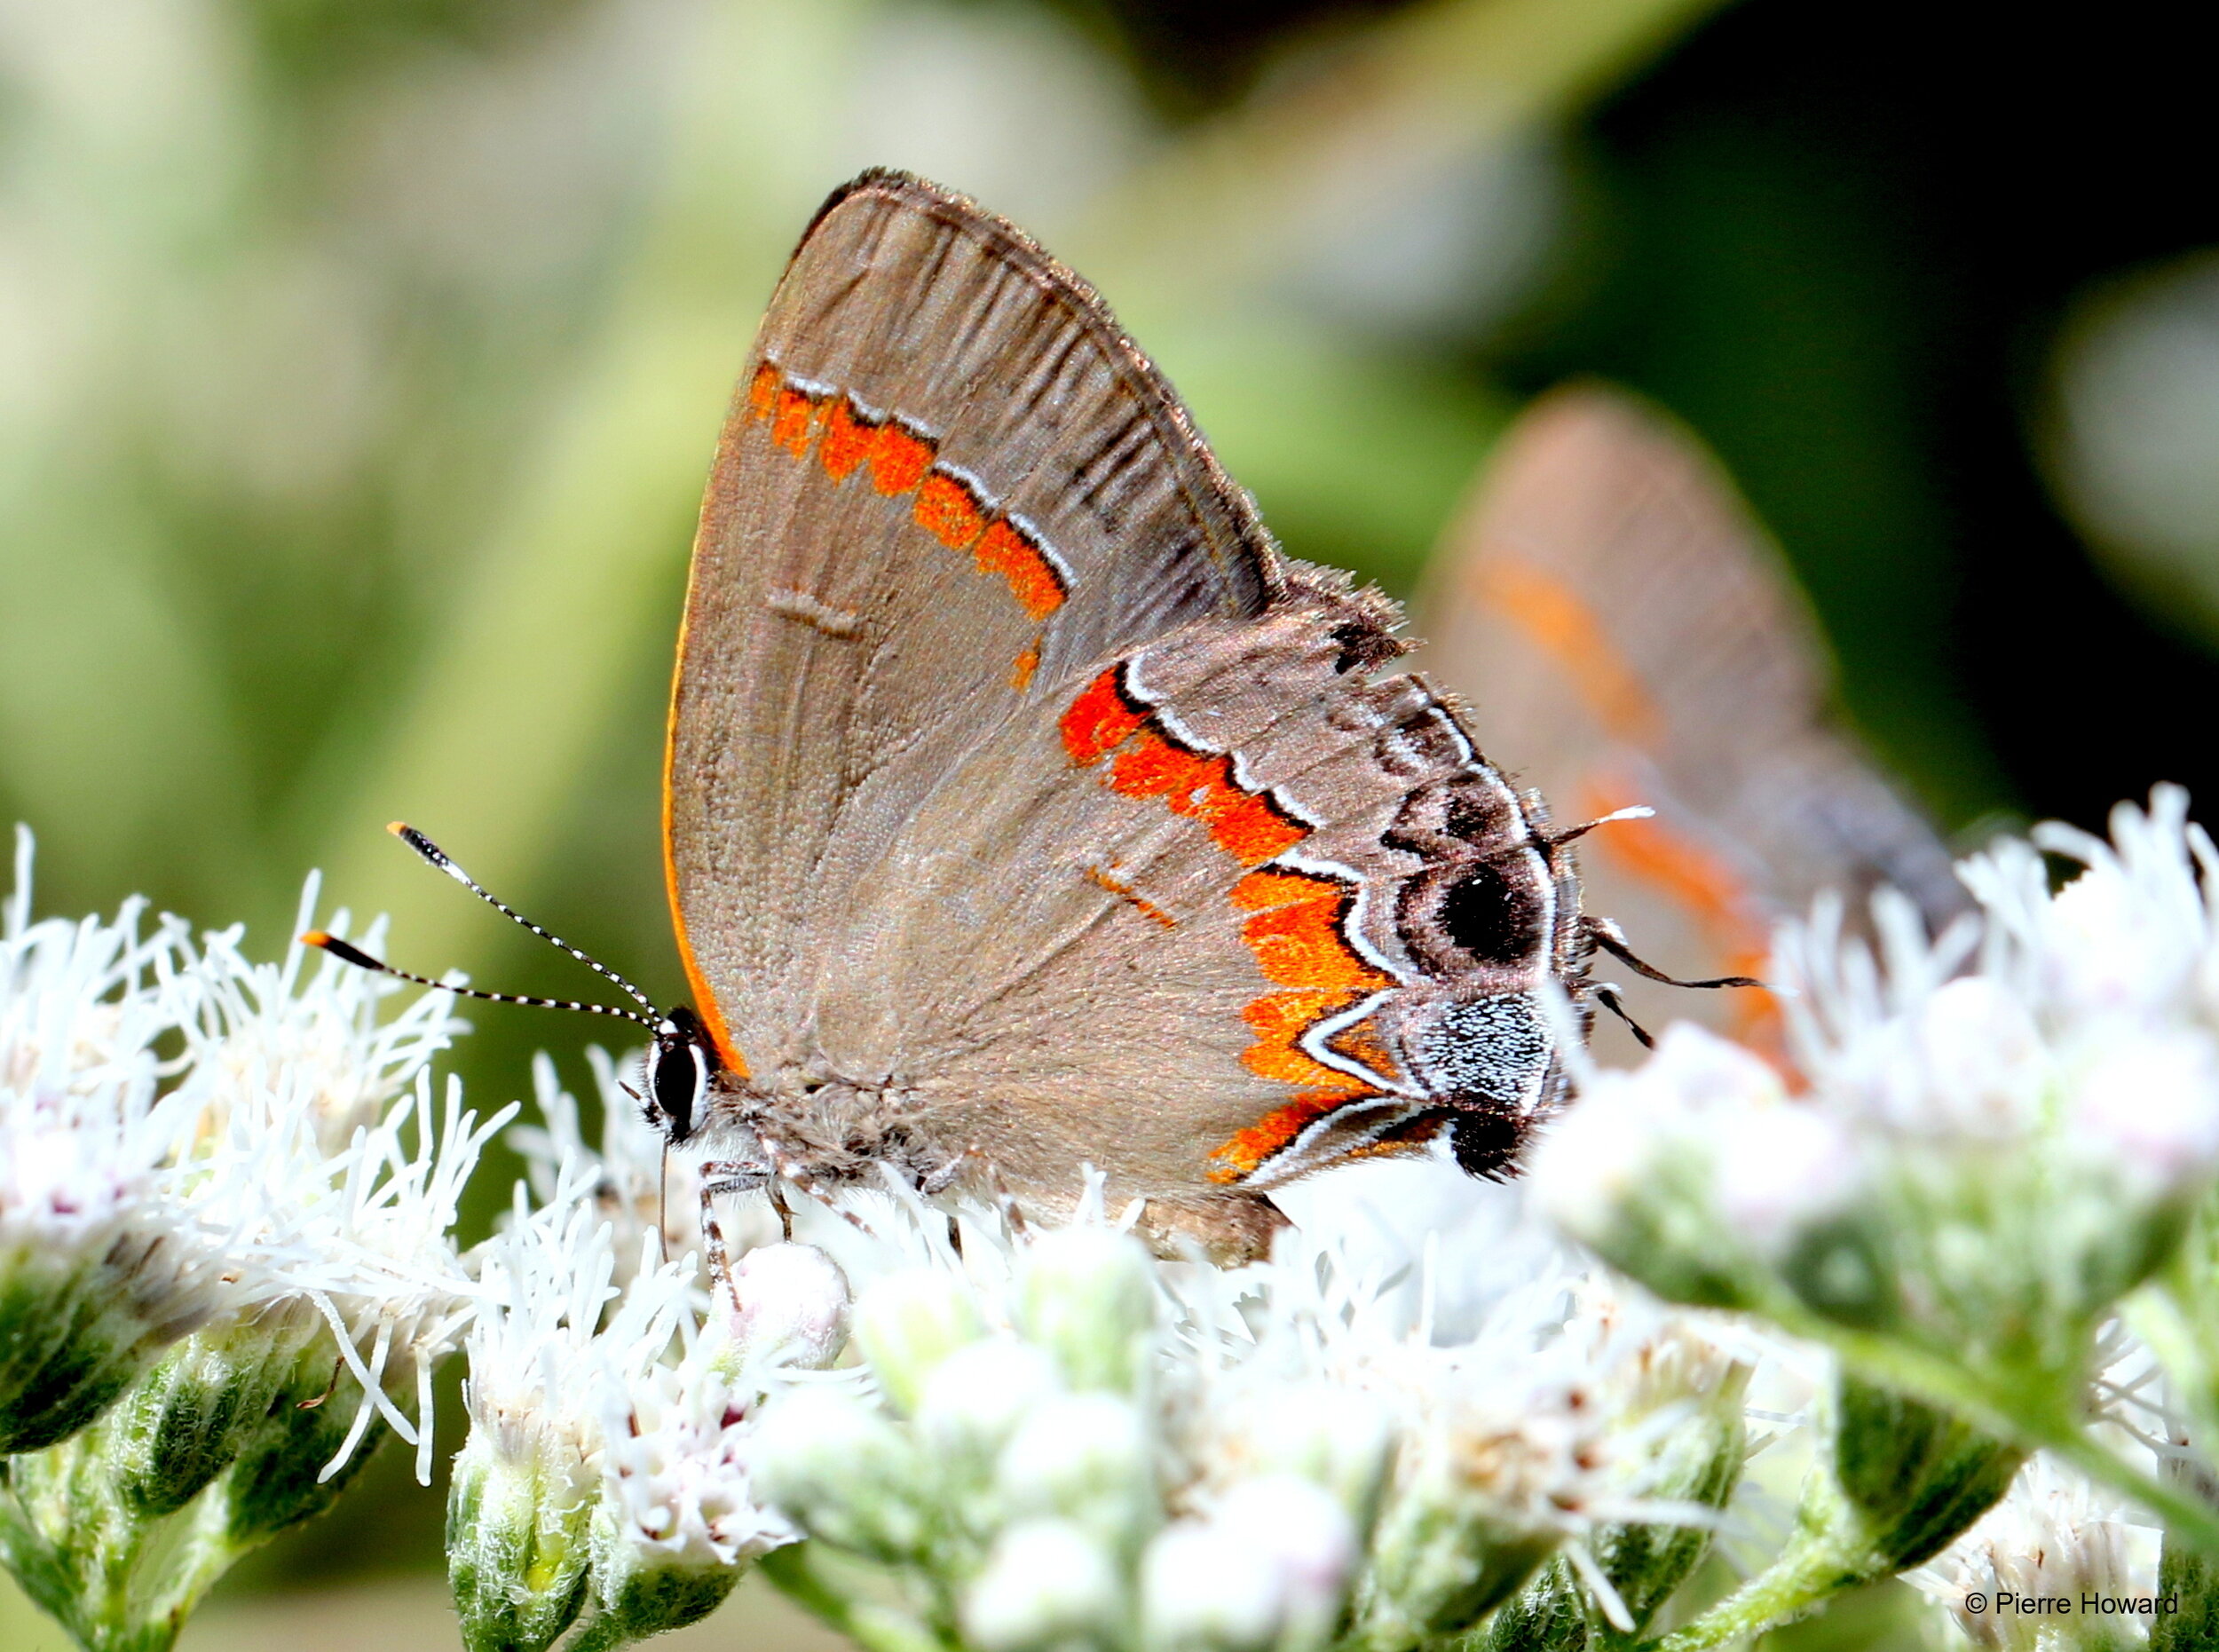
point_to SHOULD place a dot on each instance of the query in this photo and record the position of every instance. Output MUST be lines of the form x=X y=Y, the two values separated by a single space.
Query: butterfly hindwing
x=1231 y=910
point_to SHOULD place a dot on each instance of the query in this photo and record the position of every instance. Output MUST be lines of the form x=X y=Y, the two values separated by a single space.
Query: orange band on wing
x=1101 y=720
x=946 y=509
x=846 y=442
x=1297 y=930
x=902 y=459
x=1248 y=1149
x=791 y=422
x=762 y=391
x=898 y=459
x=1559 y=623
x=1032 y=579
x=1300 y=943
x=1247 y=826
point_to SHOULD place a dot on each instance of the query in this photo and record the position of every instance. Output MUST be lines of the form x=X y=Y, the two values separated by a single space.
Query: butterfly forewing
x=947 y=480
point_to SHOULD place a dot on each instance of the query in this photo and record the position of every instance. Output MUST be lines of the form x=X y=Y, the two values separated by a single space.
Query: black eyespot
x=1487 y=1143
x=1491 y=918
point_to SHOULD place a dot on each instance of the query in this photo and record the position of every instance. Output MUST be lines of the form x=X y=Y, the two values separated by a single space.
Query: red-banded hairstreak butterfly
x=1026 y=808
x=1624 y=626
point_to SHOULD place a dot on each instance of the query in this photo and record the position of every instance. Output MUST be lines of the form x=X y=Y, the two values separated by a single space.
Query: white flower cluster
x=1073 y=1445
x=226 y=1199
x=1992 y=1136
x=605 y=1482
x=1050 y=1438
x=2055 y=1567
x=188 y=1139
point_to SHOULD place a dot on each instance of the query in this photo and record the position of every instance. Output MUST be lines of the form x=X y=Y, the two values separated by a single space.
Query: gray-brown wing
x=1625 y=634
x=947 y=483
x=1225 y=911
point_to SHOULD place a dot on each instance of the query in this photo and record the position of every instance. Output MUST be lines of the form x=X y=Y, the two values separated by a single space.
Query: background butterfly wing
x=946 y=482
x=1626 y=634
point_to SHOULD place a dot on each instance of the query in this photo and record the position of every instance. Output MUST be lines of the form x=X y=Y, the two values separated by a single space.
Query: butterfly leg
x=944 y=1177
x=720 y=1177
x=1603 y=933
x=791 y=1169
x=1604 y=993
x=1012 y=1216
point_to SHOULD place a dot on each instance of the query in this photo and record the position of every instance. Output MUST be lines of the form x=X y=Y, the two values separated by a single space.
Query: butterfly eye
x=681 y=1075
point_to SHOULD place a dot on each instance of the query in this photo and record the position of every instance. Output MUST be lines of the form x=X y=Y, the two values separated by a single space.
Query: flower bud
x=1333 y=1436
x=2145 y=1105
x=843 y=1472
x=1088 y=1295
x=69 y=1342
x=1694 y=1174
x=1910 y=1477
x=1695 y=1463
x=679 y=1511
x=977 y=1400
x=518 y=1535
x=204 y=1402
x=1476 y=1502
x=2051 y=1538
x=297 y=1464
x=1203 y=1589
x=793 y=1307
x=635 y=1597
x=1087 y=1458
x=1047 y=1586
x=1442 y=1563
x=1268 y=1569
x=908 y=1323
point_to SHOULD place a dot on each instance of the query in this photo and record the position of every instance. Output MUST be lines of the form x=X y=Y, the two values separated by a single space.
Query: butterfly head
x=681 y=1066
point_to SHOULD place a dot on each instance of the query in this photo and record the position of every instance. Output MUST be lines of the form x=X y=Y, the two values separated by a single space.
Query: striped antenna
x=361 y=960
x=437 y=856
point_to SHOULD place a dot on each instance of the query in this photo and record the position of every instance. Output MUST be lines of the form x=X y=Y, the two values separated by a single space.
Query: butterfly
x=1620 y=619
x=1026 y=808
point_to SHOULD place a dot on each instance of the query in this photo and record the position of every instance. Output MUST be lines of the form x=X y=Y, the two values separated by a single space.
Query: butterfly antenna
x=346 y=952
x=438 y=857
x=1612 y=939
x=1637 y=812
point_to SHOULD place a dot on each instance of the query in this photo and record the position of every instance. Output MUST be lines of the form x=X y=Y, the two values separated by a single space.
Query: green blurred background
x=361 y=361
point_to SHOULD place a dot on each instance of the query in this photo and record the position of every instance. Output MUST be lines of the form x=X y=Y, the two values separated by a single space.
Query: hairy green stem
x=794 y=1572
x=1817 y=1564
x=2038 y=1422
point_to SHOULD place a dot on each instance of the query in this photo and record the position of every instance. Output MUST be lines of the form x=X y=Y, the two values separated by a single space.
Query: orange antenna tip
x=398 y=828
x=315 y=937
